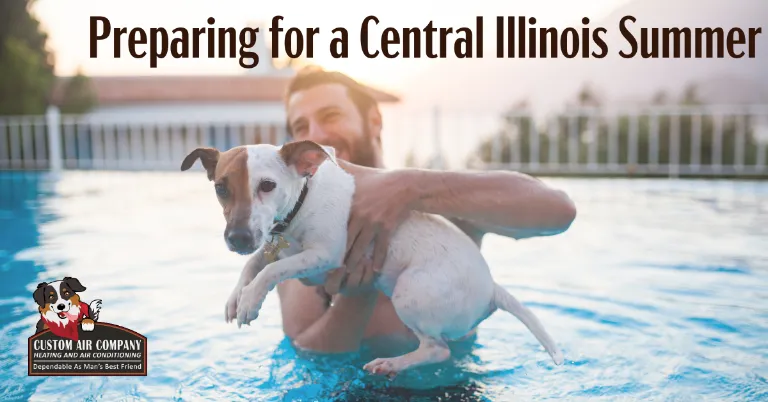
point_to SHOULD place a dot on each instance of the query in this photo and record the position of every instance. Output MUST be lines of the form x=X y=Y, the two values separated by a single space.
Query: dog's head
x=58 y=300
x=255 y=184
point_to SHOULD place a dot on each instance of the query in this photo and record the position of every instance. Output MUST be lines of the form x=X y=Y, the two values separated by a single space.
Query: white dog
x=287 y=197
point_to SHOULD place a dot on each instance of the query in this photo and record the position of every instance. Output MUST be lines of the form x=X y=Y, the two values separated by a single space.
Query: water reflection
x=22 y=210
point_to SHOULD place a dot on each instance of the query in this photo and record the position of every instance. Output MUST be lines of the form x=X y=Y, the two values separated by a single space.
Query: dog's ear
x=305 y=156
x=73 y=284
x=331 y=151
x=208 y=156
x=39 y=294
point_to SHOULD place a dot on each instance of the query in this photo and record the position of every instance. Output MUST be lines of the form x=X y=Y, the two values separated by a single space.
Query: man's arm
x=313 y=326
x=506 y=203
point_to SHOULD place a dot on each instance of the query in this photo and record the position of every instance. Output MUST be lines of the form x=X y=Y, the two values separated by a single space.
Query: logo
x=70 y=340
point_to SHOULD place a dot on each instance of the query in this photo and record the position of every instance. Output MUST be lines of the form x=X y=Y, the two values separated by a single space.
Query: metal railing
x=55 y=142
x=712 y=141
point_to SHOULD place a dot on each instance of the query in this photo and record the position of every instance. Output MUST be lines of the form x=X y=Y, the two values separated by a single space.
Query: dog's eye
x=221 y=191
x=267 y=186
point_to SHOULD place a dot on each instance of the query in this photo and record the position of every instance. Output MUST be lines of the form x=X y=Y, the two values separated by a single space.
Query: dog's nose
x=240 y=238
x=60 y=307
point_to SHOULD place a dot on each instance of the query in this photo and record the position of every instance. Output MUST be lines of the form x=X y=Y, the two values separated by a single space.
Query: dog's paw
x=381 y=366
x=94 y=309
x=230 y=308
x=249 y=304
x=87 y=324
x=246 y=314
x=244 y=317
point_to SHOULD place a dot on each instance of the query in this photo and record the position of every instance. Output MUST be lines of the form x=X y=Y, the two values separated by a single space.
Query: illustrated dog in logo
x=61 y=310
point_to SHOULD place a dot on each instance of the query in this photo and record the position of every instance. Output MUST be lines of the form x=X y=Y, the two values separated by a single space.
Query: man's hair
x=311 y=76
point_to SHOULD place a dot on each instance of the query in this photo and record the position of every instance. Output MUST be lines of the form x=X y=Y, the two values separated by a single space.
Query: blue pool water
x=659 y=291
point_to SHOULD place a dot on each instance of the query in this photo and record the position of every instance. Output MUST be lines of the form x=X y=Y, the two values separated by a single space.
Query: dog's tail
x=508 y=303
x=93 y=309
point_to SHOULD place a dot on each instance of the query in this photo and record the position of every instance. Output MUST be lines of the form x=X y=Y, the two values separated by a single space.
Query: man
x=332 y=109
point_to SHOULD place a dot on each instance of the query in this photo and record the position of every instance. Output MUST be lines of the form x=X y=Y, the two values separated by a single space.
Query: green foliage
x=26 y=66
x=79 y=96
x=24 y=80
x=410 y=160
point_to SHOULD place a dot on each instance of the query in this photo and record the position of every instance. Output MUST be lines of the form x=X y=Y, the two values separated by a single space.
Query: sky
x=68 y=25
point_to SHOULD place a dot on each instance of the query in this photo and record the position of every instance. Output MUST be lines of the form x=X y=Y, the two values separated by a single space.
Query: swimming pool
x=659 y=291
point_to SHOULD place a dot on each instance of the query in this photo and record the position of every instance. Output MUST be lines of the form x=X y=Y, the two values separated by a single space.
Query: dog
x=61 y=309
x=436 y=277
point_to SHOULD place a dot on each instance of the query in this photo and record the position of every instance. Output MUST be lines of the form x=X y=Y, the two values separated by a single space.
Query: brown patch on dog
x=87 y=321
x=209 y=157
x=44 y=310
x=232 y=174
x=75 y=299
x=229 y=172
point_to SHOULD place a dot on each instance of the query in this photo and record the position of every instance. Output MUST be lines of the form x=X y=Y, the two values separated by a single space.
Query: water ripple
x=712 y=323
x=701 y=268
x=606 y=319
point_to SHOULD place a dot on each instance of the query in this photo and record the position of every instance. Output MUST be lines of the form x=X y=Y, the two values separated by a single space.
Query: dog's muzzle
x=60 y=310
x=241 y=240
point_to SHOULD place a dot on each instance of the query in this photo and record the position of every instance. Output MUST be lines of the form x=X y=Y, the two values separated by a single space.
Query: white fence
x=660 y=141
x=666 y=141
x=54 y=142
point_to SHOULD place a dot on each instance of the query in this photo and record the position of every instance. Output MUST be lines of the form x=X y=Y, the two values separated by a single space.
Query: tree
x=78 y=96
x=691 y=96
x=410 y=160
x=26 y=65
x=24 y=80
x=660 y=98
x=587 y=97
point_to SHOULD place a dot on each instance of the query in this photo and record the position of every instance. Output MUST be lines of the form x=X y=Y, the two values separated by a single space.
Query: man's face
x=326 y=114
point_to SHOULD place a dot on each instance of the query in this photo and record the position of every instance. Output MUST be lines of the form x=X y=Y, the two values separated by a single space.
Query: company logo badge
x=70 y=340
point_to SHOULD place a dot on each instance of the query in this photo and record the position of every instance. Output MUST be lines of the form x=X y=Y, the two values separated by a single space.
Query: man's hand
x=380 y=204
x=351 y=282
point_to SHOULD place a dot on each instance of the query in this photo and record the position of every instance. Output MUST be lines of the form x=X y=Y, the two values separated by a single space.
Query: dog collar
x=281 y=225
x=272 y=249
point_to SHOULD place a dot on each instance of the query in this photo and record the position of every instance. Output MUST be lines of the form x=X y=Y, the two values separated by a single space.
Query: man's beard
x=362 y=151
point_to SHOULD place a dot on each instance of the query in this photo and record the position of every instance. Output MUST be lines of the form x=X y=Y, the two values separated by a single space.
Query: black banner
x=108 y=350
